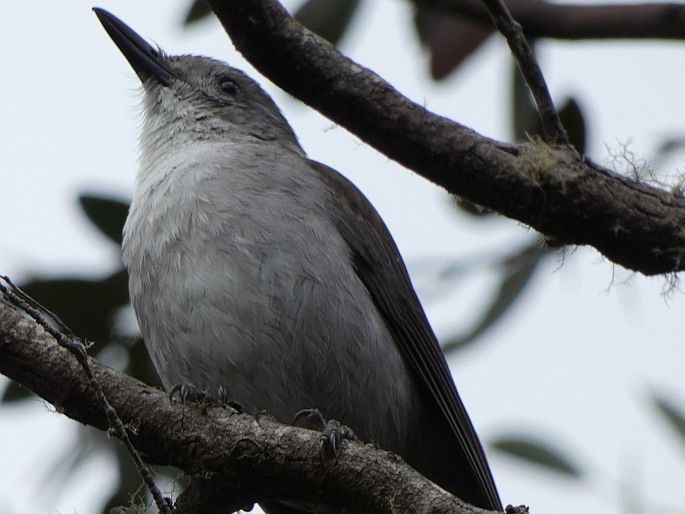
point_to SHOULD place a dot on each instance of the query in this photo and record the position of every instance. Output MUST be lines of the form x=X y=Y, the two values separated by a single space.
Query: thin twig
x=67 y=339
x=525 y=58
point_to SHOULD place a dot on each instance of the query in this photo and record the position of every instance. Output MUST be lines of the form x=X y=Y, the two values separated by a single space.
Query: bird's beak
x=144 y=59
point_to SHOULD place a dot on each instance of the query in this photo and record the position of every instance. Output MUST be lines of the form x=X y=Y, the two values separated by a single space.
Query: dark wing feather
x=381 y=269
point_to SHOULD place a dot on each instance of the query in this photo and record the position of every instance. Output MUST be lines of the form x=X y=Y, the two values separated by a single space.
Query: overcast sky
x=574 y=362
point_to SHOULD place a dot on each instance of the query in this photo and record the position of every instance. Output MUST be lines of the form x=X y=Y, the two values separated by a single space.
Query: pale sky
x=573 y=363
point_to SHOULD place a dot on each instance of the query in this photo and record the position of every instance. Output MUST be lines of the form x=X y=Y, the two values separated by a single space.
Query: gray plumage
x=261 y=272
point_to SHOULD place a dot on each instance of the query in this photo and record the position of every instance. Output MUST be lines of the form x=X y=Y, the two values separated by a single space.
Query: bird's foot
x=190 y=393
x=332 y=432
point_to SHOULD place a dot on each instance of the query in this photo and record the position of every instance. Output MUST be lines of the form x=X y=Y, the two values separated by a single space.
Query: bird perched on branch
x=259 y=272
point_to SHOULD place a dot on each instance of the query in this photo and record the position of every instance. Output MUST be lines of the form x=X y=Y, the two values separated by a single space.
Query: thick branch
x=257 y=459
x=573 y=201
x=540 y=18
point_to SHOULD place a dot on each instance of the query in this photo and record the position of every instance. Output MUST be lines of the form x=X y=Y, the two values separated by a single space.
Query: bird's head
x=196 y=97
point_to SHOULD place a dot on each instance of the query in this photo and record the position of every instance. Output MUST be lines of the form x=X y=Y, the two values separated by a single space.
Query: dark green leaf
x=140 y=365
x=15 y=392
x=525 y=118
x=450 y=38
x=107 y=214
x=327 y=18
x=130 y=483
x=539 y=454
x=86 y=306
x=199 y=10
x=671 y=413
x=574 y=122
x=668 y=148
x=671 y=144
x=516 y=272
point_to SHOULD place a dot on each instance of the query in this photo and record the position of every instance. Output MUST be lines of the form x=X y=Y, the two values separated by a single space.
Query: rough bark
x=249 y=459
x=565 y=197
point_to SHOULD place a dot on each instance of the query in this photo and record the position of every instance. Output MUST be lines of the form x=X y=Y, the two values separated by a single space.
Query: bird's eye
x=229 y=86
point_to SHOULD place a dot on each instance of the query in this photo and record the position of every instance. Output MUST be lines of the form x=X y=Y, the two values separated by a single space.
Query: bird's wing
x=380 y=267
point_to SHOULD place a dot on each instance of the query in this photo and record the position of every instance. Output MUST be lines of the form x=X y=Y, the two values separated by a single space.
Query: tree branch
x=540 y=18
x=66 y=338
x=252 y=459
x=550 y=189
x=528 y=65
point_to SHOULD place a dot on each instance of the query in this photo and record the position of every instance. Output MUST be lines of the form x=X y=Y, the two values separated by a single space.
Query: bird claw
x=186 y=392
x=310 y=418
x=190 y=393
x=332 y=432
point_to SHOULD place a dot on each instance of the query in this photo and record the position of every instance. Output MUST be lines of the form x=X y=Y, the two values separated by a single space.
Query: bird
x=256 y=271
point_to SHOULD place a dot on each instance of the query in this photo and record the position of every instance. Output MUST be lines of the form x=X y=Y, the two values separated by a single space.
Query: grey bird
x=257 y=271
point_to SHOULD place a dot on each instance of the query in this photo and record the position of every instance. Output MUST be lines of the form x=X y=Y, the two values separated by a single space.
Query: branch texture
x=540 y=18
x=528 y=65
x=548 y=188
x=253 y=459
